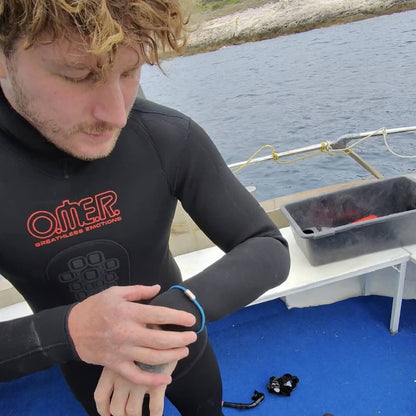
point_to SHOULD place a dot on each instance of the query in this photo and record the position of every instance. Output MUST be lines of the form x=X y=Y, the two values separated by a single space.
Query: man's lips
x=100 y=137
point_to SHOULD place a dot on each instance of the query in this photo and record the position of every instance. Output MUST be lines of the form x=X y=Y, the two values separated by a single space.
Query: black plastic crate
x=354 y=221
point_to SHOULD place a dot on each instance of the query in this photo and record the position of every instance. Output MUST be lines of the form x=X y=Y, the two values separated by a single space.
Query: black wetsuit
x=71 y=228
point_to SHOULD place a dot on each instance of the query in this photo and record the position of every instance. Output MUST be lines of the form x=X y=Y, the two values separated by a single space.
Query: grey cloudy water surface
x=299 y=90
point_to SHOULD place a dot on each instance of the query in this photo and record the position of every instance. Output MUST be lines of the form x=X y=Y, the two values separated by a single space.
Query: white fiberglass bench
x=412 y=252
x=304 y=276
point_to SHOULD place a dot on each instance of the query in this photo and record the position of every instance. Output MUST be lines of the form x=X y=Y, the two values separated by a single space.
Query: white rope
x=392 y=151
x=382 y=130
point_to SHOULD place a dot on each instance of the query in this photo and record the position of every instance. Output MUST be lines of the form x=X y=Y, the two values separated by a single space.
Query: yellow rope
x=325 y=148
x=298 y=159
x=276 y=156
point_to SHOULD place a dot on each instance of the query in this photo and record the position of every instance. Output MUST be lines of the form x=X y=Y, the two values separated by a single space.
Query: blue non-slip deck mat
x=347 y=362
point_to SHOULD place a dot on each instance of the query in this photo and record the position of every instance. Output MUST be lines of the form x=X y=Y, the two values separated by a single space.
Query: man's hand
x=117 y=396
x=112 y=330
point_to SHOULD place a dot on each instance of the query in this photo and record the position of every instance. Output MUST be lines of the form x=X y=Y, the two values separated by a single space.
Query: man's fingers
x=134 y=404
x=138 y=292
x=160 y=315
x=132 y=334
x=102 y=394
x=119 y=398
x=151 y=357
x=159 y=339
x=156 y=403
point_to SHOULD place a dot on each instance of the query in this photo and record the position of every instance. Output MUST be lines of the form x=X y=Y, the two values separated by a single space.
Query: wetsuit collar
x=23 y=135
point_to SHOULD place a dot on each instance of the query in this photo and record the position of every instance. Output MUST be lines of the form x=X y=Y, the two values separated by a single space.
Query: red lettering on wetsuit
x=71 y=217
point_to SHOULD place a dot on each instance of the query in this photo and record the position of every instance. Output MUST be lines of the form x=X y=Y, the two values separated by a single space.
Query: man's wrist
x=155 y=369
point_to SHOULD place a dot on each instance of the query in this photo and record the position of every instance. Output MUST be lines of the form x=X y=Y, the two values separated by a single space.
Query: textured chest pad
x=88 y=268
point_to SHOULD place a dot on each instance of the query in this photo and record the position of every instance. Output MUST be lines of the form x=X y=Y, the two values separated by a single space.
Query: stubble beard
x=51 y=131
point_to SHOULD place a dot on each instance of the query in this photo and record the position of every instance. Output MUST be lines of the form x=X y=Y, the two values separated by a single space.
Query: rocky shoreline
x=284 y=17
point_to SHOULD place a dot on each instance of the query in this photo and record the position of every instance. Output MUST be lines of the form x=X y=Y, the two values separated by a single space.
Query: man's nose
x=109 y=104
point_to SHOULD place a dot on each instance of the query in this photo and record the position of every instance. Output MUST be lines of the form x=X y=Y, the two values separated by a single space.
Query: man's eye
x=130 y=74
x=76 y=80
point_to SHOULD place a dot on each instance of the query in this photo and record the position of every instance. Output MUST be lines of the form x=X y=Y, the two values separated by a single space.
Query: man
x=91 y=177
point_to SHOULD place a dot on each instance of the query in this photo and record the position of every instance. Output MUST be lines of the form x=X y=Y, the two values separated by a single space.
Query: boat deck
x=346 y=360
x=343 y=354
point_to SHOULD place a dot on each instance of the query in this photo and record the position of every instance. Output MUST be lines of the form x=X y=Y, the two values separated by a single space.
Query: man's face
x=54 y=87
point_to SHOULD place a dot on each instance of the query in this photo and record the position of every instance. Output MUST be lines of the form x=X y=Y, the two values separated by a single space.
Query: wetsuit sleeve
x=257 y=256
x=34 y=342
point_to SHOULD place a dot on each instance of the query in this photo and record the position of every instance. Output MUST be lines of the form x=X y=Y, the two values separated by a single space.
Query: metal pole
x=340 y=143
x=293 y=152
x=364 y=164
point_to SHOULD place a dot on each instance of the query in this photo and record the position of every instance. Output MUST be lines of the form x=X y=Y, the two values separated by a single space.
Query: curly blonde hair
x=103 y=25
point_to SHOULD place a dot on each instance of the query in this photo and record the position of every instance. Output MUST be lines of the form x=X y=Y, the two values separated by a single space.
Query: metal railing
x=341 y=144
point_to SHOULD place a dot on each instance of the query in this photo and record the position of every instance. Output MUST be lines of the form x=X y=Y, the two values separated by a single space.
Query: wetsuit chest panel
x=75 y=236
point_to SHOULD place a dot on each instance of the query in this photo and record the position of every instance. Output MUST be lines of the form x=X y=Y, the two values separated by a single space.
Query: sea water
x=300 y=90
